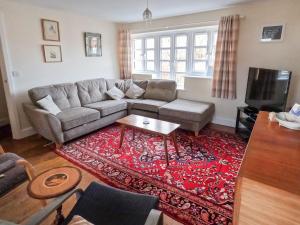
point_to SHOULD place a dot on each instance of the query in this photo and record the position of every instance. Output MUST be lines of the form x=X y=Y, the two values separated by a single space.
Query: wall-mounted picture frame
x=272 y=33
x=93 y=45
x=52 y=53
x=50 y=29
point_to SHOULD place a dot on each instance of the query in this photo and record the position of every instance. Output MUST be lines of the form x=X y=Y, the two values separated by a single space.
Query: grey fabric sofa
x=86 y=107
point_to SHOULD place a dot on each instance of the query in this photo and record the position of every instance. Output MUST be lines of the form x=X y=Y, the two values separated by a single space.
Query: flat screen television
x=267 y=89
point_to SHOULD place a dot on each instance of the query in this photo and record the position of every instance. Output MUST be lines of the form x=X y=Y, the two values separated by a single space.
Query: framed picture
x=52 y=53
x=50 y=30
x=93 y=46
x=272 y=33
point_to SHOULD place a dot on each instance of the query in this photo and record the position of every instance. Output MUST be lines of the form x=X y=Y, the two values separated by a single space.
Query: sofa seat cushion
x=131 y=102
x=108 y=107
x=78 y=116
x=148 y=105
x=187 y=109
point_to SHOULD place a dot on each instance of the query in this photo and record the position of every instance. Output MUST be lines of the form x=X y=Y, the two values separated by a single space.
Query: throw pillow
x=115 y=93
x=78 y=220
x=134 y=92
x=48 y=104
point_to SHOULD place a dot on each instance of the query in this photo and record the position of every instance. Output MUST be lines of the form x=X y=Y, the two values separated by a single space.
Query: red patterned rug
x=197 y=187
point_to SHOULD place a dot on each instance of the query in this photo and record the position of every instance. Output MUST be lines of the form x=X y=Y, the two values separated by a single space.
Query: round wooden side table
x=53 y=183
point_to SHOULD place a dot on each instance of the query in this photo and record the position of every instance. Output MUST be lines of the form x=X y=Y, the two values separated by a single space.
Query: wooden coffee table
x=160 y=127
x=53 y=183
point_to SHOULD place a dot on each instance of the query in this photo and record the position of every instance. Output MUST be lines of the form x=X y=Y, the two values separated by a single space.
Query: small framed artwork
x=272 y=33
x=93 y=46
x=50 y=30
x=52 y=53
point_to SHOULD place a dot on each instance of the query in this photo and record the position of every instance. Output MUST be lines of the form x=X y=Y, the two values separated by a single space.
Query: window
x=175 y=54
x=149 y=52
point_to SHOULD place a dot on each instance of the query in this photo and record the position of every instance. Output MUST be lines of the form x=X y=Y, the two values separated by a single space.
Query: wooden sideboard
x=268 y=184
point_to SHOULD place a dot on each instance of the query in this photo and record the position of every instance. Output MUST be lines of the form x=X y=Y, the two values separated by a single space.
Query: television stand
x=246 y=116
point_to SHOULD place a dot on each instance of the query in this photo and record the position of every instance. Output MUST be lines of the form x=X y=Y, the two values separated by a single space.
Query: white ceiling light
x=147 y=15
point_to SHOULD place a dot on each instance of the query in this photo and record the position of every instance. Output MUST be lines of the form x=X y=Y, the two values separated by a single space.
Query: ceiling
x=131 y=10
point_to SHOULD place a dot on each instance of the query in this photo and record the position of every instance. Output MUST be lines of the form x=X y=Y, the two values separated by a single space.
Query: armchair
x=101 y=204
x=14 y=170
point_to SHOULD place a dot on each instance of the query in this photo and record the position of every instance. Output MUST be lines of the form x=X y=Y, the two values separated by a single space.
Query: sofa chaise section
x=157 y=94
x=192 y=115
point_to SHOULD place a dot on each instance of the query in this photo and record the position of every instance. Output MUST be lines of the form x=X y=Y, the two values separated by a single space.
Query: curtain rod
x=187 y=25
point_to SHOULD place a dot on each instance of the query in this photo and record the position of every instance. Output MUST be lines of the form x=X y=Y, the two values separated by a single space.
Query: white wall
x=3 y=107
x=282 y=55
x=24 y=36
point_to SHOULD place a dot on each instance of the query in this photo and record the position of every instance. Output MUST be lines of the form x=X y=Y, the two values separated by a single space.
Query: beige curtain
x=224 y=77
x=125 y=54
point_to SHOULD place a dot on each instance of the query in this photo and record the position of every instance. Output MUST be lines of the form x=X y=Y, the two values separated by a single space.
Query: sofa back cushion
x=164 y=90
x=64 y=95
x=91 y=91
x=141 y=83
x=123 y=85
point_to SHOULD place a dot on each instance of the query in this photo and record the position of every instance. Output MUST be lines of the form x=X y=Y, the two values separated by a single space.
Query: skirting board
x=26 y=132
x=4 y=121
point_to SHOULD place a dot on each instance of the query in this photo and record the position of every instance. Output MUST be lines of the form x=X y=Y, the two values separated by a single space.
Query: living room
x=193 y=141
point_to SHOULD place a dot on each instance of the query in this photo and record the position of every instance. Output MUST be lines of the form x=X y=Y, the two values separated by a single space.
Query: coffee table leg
x=166 y=149
x=173 y=135
x=59 y=218
x=133 y=133
x=122 y=135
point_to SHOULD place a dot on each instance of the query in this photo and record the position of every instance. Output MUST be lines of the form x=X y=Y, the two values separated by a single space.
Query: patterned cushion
x=64 y=95
x=78 y=220
x=91 y=91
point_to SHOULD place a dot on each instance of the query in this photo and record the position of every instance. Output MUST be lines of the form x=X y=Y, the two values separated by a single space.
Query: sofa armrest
x=28 y=168
x=1 y=150
x=46 y=124
x=155 y=217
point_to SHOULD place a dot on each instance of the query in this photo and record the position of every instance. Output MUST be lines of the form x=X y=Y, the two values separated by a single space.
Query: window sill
x=200 y=77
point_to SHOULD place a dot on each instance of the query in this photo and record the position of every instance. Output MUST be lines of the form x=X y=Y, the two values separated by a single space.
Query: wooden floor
x=16 y=206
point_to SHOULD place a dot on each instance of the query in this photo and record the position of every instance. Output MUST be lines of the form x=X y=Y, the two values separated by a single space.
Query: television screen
x=267 y=89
